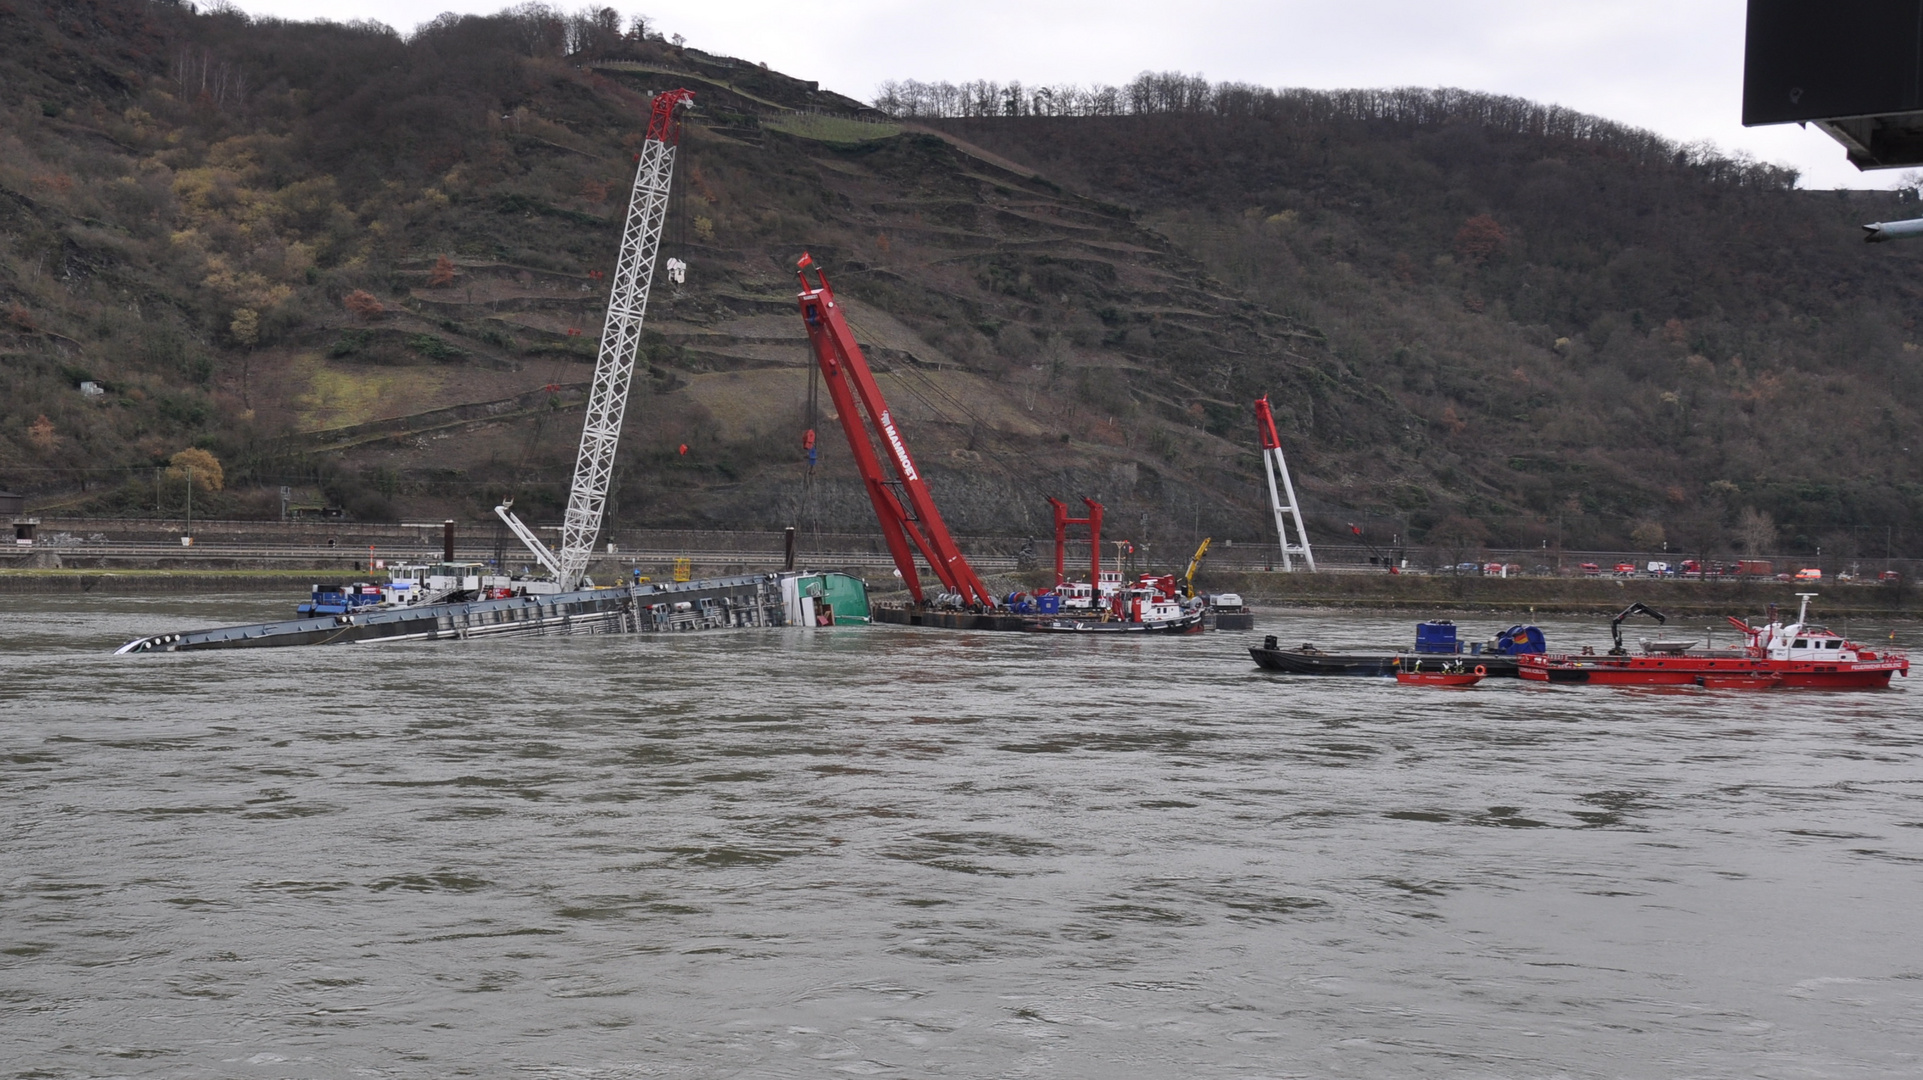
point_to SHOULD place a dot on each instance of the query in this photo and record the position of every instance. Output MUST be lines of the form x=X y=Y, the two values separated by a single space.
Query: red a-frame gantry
x=1094 y=523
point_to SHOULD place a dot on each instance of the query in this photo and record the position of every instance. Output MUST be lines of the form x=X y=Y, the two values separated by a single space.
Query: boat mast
x=1802 y=613
x=620 y=339
x=1272 y=464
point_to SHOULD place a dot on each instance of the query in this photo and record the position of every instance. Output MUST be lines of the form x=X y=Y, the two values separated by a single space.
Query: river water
x=896 y=853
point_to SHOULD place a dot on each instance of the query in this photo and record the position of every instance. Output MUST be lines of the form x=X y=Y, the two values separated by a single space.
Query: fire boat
x=1772 y=655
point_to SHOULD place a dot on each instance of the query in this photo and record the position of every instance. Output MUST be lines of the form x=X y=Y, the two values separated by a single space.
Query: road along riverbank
x=1526 y=595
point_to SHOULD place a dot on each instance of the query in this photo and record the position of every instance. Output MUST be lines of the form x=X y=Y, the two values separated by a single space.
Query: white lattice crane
x=1273 y=464
x=620 y=341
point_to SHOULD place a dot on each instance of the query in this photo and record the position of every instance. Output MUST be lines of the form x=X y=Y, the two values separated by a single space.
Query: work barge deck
x=899 y=614
x=752 y=600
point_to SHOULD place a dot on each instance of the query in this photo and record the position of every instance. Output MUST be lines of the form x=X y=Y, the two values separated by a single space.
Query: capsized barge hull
x=717 y=603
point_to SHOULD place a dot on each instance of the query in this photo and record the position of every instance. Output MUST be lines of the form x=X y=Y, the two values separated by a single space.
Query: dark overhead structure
x=1852 y=67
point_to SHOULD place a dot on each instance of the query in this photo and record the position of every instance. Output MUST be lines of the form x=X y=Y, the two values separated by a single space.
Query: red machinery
x=1094 y=523
x=903 y=505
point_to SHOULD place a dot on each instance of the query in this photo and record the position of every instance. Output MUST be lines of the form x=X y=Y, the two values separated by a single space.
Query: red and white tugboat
x=1150 y=605
x=1772 y=655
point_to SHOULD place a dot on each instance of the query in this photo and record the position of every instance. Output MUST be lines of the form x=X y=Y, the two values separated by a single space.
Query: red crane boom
x=903 y=505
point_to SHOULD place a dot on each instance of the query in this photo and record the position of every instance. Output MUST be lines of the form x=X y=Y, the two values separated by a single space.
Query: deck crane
x=1195 y=563
x=620 y=338
x=1376 y=556
x=1272 y=464
x=909 y=521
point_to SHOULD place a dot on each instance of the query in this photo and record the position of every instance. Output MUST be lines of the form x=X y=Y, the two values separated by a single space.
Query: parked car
x=1889 y=576
x=1468 y=568
x=1625 y=569
x=1809 y=573
x=1659 y=569
x=1591 y=569
x=1784 y=577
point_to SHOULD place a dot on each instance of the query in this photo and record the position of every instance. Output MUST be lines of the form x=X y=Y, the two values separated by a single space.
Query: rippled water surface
x=907 y=853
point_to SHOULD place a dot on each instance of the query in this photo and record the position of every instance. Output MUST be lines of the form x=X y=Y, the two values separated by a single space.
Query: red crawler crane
x=903 y=505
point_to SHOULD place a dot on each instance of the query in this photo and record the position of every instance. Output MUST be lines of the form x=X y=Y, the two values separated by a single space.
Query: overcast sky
x=1674 y=66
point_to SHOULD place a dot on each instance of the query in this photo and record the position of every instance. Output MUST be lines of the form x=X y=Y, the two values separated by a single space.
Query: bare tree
x=1756 y=531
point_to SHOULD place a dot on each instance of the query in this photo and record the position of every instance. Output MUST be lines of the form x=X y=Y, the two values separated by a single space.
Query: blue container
x=1436 y=636
x=1048 y=604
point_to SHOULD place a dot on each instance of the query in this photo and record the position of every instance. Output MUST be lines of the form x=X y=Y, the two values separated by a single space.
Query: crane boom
x=909 y=521
x=620 y=338
x=1272 y=464
x=1195 y=563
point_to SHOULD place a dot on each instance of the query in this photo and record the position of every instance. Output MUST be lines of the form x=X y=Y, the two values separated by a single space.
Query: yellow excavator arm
x=1195 y=563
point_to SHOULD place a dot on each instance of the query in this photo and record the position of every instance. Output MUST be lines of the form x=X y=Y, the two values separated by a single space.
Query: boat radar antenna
x=1802 y=614
x=620 y=340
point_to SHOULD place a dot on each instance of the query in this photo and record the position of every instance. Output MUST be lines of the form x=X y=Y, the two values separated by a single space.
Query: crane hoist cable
x=976 y=423
x=810 y=514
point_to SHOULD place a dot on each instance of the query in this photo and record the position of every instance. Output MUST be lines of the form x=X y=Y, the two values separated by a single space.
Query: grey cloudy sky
x=1674 y=66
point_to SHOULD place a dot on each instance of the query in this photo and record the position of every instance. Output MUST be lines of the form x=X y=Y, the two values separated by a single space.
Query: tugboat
x=1150 y=606
x=1772 y=655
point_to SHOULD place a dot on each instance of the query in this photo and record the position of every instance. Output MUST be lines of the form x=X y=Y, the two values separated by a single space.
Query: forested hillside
x=371 y=266
x=1604 y=333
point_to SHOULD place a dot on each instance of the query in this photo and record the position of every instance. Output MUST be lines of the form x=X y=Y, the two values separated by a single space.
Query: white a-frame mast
x=1273 y=464
x=620 y=340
